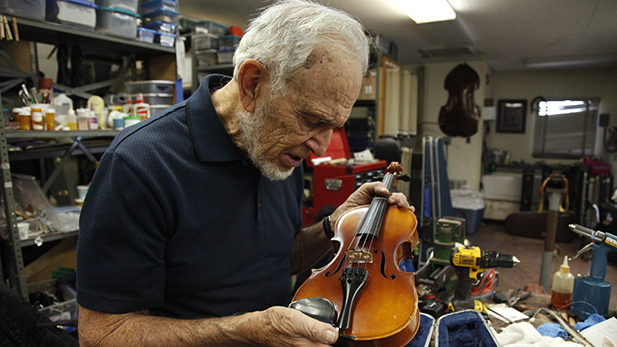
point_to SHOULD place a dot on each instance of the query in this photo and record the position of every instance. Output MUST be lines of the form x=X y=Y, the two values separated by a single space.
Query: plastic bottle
x=141 y=108
x=128 y=107
x=71 y=120
x=563 y=285
x=62 y=104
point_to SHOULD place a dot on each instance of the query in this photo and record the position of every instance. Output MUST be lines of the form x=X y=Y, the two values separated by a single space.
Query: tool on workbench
x=515 y=297
x=592 y=293
x=435 y=280
x=470 y=263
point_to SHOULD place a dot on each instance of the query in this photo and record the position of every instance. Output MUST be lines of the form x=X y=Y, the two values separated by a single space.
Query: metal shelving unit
x=14 y=267
x=96 y=44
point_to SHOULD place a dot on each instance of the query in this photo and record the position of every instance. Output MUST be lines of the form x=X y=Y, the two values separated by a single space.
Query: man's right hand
x=276 y=326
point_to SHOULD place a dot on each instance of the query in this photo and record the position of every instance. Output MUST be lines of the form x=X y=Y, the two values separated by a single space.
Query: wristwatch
x=327 y=227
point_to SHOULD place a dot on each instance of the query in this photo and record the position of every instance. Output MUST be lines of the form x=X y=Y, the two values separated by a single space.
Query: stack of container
x=80 y=14
x=157 y=94
x=117 y=17
x=160 y=16
x=206 y=43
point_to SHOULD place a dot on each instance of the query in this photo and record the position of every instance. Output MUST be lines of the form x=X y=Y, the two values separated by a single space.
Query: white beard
x=251 y=127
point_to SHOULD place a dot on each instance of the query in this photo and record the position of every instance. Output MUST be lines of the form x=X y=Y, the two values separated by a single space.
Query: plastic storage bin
x=154 y=109
x=162 y=27
x=155 y=98
x=129 y=5
x=225 y=56
x=75 y=13
x=161 y=15
x=209 y=27
x=229 y=42
x=145 y=35
x=33 y=9
x=205 y=41
x=62 y=311
x=165 y=39
x=206 y=58
x=473 y=217
x=151 y=6
x=150 y=86
x=117 y=22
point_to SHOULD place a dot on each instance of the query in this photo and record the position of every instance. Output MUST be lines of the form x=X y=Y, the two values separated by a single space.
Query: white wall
x=464 y=158
x=561 y=83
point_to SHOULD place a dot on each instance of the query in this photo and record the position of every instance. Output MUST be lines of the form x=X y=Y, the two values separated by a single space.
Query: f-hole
x=383 y=265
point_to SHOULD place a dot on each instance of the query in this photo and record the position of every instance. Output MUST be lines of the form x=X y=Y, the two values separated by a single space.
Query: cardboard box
x=369 y=86
x=62 y=255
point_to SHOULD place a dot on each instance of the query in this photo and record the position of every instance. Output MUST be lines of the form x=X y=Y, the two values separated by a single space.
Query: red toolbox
x=333 y=183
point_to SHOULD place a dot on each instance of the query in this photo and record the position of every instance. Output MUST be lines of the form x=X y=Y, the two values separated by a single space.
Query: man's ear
x=252 y=77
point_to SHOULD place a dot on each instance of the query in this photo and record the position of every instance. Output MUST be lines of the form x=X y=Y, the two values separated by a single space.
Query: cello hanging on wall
x=460 y=115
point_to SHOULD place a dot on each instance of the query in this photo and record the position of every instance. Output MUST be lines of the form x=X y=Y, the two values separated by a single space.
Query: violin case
x=425 y=332
x=466 y=328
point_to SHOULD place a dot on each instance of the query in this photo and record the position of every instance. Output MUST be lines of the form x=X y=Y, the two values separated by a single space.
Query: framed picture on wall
x=511 y=116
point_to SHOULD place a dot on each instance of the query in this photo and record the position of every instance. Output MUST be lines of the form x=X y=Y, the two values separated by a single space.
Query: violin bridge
x=355 y=256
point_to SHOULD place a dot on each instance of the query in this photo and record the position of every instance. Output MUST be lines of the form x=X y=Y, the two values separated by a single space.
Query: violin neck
x=371 y=222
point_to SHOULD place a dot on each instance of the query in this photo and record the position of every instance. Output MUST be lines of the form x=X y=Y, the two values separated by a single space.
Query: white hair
x=285 y=34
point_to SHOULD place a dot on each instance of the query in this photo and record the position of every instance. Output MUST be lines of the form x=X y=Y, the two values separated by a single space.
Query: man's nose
x=319 y=142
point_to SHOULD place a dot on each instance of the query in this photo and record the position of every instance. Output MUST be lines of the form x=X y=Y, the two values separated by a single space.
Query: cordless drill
x=470 y=263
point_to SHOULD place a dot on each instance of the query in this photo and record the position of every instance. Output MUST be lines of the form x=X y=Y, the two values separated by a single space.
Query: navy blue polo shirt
x=178 y=222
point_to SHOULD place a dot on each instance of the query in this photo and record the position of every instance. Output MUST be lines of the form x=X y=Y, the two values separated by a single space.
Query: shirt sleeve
x=121 y=245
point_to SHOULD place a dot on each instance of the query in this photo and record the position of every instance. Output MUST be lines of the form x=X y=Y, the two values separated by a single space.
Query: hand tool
x=592 y=293
x=469 y=263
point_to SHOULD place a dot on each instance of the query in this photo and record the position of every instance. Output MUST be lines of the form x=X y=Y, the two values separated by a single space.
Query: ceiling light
x=426 y=11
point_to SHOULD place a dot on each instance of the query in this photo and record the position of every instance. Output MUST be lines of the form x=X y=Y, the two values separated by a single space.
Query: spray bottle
x=563 y=284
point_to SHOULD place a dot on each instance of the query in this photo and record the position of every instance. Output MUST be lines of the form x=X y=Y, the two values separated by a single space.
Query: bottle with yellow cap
x=563 y=285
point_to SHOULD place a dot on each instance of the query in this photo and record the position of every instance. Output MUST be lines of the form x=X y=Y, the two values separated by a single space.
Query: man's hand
x=365 y=194
x=281 y=326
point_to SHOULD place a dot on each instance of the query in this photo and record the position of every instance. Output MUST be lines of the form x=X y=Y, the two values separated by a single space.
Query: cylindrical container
x=15 y=111
x=25 y=119
x=24 y=230
x=563 y=285
x=94 y=121
x=82 y=191
x=83 y=122
x=71 y=120
x=50 y=119
x=128 y=121
x=118 y=123
x=38 y=117
x=141 y=109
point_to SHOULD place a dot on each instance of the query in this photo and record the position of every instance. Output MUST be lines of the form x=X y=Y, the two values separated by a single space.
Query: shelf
x=52 y=33
x=23 y=134
x=49 y=238
x=216 y=68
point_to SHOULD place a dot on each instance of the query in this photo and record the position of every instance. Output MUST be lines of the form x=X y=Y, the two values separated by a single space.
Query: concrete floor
x=494 y=237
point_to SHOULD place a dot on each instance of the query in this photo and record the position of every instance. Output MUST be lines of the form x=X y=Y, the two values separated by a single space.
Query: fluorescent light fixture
x=426 y=11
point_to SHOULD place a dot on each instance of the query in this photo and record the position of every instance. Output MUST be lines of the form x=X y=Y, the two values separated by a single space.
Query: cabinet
x=95 y=45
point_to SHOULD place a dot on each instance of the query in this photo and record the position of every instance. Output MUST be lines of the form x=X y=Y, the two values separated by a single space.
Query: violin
x=460 y=115
x=374 y=302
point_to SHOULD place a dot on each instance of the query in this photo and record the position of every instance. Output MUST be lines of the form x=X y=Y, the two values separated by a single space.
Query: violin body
x=460 y=115
x=385 y=310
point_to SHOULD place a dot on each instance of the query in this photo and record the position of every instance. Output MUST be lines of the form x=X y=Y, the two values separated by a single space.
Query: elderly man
x=193 y=225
